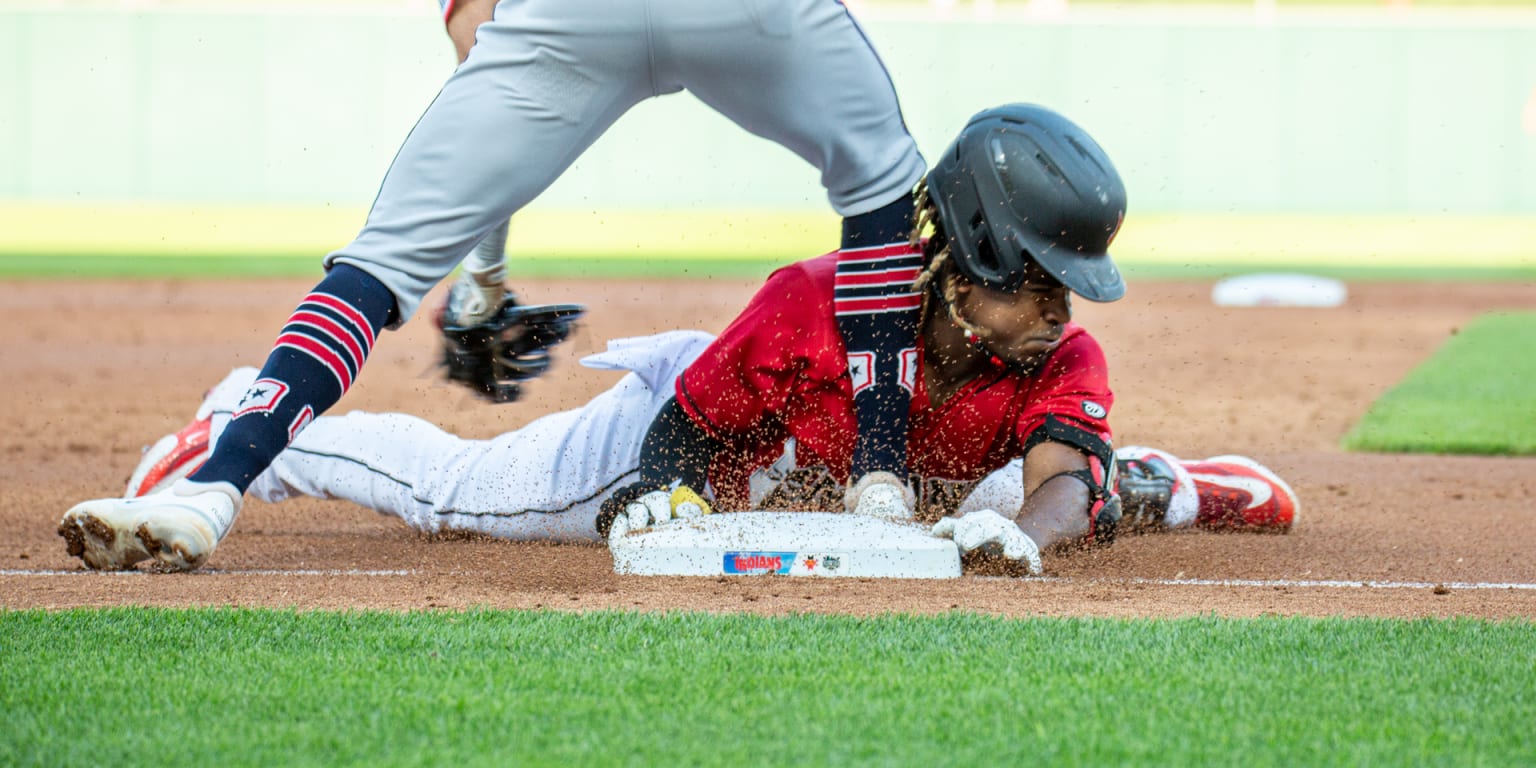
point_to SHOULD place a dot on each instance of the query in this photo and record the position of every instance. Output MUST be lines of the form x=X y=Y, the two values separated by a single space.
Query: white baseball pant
x=546 y=78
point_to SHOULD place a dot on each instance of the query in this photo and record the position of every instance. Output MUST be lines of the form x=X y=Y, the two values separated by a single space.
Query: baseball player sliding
x=1009 y=432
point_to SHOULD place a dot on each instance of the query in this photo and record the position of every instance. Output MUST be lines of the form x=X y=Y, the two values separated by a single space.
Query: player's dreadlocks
x=925 y=215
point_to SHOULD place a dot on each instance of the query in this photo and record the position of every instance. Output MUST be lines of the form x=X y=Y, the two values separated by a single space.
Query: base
x=1278 y=289
x=788 y=544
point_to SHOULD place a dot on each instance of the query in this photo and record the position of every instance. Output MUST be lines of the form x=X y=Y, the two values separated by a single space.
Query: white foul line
x=216 y=572
x=1306 y=583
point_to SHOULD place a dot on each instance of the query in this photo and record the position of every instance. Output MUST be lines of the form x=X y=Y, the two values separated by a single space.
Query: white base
x=1267 y=289
x=789 y=544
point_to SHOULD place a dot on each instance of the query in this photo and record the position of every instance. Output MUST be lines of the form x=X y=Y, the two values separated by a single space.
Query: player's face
x=1026 y=324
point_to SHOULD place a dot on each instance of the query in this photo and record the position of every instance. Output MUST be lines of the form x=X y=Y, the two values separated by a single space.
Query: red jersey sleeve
x=785 y=337
x=1073 y=386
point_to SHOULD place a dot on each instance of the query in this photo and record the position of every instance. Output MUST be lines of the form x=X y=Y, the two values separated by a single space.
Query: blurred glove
x=993 y=534
x=641 y=505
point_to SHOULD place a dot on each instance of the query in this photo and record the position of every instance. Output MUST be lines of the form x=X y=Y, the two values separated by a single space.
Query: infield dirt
x=95 y=370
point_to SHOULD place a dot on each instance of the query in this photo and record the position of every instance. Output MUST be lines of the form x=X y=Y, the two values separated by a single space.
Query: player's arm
x=674 y=461
x=1068 y=485
x=676 y=450
x=1056 y=501
x=1068 y=475
x=734 y=386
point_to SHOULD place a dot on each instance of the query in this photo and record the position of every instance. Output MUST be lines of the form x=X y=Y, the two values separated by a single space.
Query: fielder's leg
x=536 y=90
x=877 y=316
x=513 y=117
x=481 y=284
x=803 y=74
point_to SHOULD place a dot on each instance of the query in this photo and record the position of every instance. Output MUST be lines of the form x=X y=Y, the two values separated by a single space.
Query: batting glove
x=640 y=506
x=993 y=534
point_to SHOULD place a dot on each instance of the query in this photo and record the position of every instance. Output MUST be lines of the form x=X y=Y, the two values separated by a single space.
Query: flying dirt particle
x=1441 y=589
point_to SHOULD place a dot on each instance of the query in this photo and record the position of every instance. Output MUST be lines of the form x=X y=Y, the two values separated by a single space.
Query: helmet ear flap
x=980 y=237
x=988 y=258
x=979 y=258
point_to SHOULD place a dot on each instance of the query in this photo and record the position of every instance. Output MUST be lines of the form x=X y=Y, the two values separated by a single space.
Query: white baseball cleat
x=178 y=527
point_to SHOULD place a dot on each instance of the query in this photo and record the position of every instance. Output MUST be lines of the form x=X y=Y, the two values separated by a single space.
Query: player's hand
x=641 y=505
x=496 y=355
x=993 y=534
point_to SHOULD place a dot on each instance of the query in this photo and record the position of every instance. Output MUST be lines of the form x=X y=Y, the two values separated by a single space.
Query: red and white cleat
x=172 y=457
x=1238 y=492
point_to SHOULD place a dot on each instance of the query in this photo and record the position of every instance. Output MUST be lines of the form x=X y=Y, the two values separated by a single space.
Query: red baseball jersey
x=780 y=370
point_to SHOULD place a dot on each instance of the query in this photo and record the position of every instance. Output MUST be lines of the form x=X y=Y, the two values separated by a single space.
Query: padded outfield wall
x=1213 y=110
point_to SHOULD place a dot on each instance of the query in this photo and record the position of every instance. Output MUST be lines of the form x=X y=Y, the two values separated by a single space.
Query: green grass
x=262 y=687
x=1476 y=395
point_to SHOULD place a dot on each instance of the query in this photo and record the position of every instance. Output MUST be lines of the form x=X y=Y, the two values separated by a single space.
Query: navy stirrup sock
x=877 y=316
x=313 y=362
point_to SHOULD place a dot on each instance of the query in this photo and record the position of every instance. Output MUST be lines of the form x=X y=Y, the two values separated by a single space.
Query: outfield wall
x=1209 y=111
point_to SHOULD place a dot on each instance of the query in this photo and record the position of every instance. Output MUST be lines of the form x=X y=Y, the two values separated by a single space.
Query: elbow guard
x=1104 y=510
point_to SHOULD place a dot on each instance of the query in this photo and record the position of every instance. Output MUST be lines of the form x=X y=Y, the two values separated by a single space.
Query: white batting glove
x=993 y=534
x=658 y=507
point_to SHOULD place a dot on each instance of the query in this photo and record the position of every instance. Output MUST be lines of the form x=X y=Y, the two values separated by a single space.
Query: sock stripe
x=870 y=252
x=902 y=278
x=348 y=313
x=873 y=292
x=849 y=265
x=327 y=331
x=904 y=303
x=893 y=292
x=347 y=324
x=876 y=279
x=322 y=354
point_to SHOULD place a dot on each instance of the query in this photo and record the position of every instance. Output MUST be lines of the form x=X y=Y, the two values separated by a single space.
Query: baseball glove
x=512 y=346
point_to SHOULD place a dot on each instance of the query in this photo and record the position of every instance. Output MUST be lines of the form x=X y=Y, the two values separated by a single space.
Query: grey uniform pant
x=546 y=78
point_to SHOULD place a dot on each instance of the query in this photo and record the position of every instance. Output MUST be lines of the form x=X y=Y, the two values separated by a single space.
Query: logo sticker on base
x=782 y=563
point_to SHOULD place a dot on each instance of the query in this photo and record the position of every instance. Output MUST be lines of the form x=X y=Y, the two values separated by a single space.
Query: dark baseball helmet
x=1023 y=183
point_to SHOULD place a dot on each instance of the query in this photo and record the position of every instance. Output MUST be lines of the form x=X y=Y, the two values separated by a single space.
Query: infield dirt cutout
x=95 y=370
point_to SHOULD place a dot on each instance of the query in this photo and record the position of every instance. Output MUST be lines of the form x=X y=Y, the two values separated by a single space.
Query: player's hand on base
x=993 y=534
x=641 y=505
